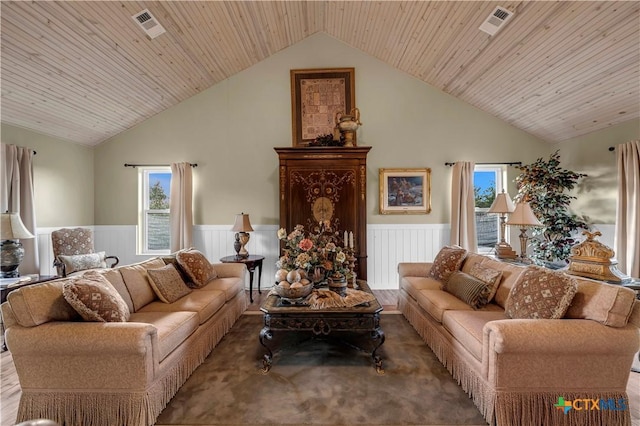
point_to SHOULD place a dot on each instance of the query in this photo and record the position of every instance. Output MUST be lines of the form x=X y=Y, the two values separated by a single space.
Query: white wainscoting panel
x=387 y=245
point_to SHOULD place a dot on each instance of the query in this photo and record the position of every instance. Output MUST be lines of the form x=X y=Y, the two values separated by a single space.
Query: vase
x=338 y=283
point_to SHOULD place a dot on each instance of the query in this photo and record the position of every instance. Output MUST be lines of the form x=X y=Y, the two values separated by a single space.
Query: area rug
x=321 y=381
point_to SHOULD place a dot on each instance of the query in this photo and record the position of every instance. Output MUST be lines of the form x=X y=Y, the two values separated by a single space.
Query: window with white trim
x=487 y=179
x=153 y=206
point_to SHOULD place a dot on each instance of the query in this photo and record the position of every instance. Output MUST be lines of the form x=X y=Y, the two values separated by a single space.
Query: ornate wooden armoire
x=326 y=183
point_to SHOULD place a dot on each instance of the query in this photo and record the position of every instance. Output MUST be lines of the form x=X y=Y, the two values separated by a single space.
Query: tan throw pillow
x=447 y=261
x=489 y=276
x=469 y=289
x=81 y=262
x=168 y=284
x=95 y=299
x=171 y=259
x=196 y=265
x=540 y=293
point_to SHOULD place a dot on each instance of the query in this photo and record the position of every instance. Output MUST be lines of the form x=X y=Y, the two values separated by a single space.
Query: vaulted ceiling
x=84 y=71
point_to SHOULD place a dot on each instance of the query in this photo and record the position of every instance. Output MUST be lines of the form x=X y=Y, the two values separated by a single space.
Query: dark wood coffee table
x=280 y=316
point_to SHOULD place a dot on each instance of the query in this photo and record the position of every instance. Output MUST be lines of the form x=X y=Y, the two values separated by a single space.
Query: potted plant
x=544 y=184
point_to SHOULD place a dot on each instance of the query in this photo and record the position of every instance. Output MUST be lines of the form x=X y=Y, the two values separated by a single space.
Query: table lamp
x=11 y=251
x=523 y=217
x=242 y=227
x=502 y=205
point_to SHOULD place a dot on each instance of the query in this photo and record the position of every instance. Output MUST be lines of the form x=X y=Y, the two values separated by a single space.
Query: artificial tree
x=544 y=184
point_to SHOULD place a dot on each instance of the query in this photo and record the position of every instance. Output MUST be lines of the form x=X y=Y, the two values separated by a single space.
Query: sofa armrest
x=558 y=336
x=77 y=338
x=229 y=270
x=560 y=354
x=414 y=269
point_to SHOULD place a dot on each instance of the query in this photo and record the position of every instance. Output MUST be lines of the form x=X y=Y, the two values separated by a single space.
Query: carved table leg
x=377 y=334
x=267 y=359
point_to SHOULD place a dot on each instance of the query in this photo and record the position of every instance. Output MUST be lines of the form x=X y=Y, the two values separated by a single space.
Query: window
x=153 y=221
x=486 y=180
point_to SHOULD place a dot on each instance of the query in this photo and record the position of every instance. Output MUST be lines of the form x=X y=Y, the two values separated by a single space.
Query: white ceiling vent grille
x=149 y=23
x=496 y=20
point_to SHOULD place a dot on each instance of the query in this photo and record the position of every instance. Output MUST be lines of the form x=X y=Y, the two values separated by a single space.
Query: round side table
x=252 y=262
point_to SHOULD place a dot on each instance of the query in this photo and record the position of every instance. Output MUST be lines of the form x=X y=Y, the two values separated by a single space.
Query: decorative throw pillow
x=196 y=265
x=540 y=293
x=171 y=259
x=95 y=299
x=447 y=261
x=489 y=276
x=81 y=262
x=168 y=284
x=469 y=289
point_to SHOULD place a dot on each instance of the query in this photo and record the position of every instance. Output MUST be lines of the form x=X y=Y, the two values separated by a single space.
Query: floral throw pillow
x=447 y=261
x=540 y=293
x=95 y=299
x=167 y=283
x=197 y=266
x=81 y=262
x=489 y=276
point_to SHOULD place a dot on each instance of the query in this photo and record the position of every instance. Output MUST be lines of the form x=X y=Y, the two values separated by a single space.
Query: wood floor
x=10 y=387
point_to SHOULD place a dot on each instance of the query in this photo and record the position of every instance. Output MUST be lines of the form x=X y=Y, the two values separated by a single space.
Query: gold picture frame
x=316 y=96
x=405 y=191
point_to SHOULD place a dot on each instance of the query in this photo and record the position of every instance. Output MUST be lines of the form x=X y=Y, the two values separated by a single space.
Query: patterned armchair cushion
x=167 y=283
x=540 y=293
x=72 y=241
x=95 y=299
x=197 y=266
x=447 y=261
x=81 y=262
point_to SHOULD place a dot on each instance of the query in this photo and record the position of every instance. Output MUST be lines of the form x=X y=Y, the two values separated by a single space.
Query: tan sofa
x=115 y=373
x=515 y=370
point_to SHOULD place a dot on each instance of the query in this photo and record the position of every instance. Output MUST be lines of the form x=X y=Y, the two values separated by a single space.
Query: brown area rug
x=321 y=381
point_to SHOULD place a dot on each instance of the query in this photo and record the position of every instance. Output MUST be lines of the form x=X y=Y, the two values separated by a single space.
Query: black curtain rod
x=612 y=148
x=513 y=163
x=154 y=165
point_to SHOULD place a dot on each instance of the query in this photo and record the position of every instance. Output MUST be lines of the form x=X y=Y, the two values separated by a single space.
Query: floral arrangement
x=318 y=253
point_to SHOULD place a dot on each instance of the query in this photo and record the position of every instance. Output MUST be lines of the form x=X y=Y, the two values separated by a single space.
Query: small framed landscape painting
x=405 y=191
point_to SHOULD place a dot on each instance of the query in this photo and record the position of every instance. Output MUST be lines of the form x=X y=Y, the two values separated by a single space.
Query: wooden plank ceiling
x=84 y=71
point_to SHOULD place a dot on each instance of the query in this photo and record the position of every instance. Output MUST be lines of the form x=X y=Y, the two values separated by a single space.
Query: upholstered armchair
x=73 y=251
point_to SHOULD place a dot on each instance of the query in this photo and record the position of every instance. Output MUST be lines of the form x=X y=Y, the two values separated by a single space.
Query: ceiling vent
x=149 y=23
x=496 y=20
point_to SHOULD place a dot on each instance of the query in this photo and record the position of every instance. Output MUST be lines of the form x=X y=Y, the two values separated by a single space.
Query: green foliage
x=158 y=200
x=543 y=185
x=484 y=199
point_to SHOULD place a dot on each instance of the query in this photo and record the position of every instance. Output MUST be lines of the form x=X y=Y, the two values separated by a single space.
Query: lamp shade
x=523 y=216
x=12 y=228
x=242 y=223
x=502 y=204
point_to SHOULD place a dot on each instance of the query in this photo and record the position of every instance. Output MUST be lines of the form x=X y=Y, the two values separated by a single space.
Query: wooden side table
x=7 y=285
x=252 y=263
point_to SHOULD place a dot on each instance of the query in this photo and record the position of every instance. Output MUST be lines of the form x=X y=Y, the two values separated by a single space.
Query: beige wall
x=597 y=193
x=63 y=178
x=230 y=131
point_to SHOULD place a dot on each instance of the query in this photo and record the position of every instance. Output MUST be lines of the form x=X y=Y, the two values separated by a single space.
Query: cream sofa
x=515 y=370
x=115 y=373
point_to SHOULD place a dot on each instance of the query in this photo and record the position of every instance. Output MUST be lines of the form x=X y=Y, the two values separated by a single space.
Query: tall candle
x=345 y=241
x=351 y=239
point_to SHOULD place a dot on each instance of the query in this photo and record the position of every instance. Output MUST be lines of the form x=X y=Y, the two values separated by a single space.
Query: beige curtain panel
x=18 y=196
x=627 y=239
x=181 y=206
x=463 y=216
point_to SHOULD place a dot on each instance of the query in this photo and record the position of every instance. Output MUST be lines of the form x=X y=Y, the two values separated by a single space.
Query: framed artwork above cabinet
x=319 y=184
